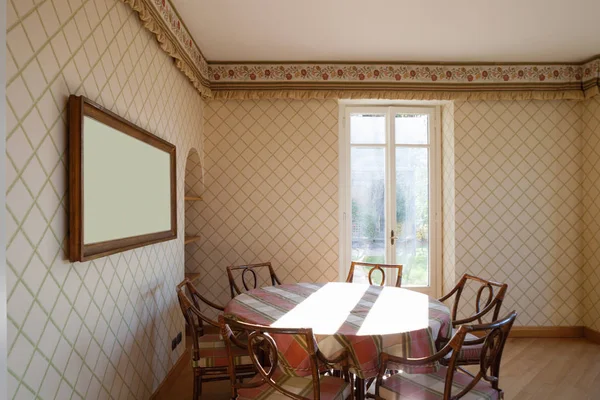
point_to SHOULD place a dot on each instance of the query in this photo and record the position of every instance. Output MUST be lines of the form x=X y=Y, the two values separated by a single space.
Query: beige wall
x=591 y=211
x=3 y=293
x=517 y=173
x=448 y=199
x=103 y=328
x=518 y=208
x=271 y=190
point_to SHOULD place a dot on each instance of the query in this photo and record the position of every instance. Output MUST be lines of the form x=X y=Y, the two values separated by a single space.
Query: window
x=390 y=190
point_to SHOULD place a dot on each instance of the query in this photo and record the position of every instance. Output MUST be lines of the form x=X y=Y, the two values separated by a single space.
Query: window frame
x=435 y=183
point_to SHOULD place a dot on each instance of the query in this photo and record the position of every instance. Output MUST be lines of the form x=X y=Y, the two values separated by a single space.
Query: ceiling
x=394 y=30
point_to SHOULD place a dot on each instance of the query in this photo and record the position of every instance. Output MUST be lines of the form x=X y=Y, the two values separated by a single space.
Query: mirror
x=122 y=184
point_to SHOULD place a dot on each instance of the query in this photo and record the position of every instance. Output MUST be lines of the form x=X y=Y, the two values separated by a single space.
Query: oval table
x=361 y=318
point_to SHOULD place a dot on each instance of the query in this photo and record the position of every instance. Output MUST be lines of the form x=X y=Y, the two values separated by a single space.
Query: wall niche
x=193 y=202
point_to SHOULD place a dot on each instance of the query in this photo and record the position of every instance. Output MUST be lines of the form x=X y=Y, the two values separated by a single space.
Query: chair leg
x=360 y=388
x=197 y=383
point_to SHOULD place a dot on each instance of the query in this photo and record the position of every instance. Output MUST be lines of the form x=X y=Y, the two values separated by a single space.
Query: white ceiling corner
x=394 y=30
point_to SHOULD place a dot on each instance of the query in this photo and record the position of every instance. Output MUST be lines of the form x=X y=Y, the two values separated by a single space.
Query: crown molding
x=160 y=18
x=360 y=79
x=399 y=72
x=398 y=80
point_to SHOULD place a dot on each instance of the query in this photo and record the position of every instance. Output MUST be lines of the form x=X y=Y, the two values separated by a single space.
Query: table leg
x=360 y=388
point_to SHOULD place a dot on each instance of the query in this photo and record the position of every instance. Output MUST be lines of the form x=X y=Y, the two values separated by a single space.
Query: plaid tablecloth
x=361 y=318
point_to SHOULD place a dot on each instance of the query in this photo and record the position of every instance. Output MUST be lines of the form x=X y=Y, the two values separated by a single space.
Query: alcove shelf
x=191 y=239
x=193 y=198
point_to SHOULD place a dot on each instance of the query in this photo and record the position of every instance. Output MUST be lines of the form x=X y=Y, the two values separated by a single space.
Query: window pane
x=412 y=128
x=367 y=166
x=367 y=128
x=412 y=215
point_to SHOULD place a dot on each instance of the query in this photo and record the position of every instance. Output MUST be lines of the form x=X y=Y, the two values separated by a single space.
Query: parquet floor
x=540 y=369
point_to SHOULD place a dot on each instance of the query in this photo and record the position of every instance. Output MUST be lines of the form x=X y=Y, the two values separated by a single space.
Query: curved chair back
x=494 y=297
x=496 y=334
x=376 y=272
x=262 y=342
x=248 y=277
x=192 y=314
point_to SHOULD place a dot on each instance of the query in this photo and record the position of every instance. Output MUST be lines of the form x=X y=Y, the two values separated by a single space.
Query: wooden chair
x=471 y=350
x=373 y=268
x=249 y=269
x=295 y=369
x=209 y=353
x=449 y=382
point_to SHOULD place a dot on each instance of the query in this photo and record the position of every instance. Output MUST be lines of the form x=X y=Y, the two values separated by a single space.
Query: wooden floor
x=531 y=369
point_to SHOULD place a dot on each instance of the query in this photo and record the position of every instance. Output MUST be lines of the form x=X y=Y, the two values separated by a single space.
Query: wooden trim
x=75 y=110
x=171 y=378
x=591 y=335
x=192 y=276
x=191 y=239
x=350 y=85
x=547 y=332
x=79 y=107
x=193 y=198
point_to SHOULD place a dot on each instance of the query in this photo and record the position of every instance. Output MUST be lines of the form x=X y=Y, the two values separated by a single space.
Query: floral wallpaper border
x=414 y=73
x=576 y=80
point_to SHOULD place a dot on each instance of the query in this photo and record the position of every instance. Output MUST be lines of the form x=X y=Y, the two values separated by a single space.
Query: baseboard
x=591 y=335
x=547 y=332
x=180 y=365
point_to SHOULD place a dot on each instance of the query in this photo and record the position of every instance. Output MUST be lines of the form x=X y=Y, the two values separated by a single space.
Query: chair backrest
x=262 y=340
x=379 y=277
x=492 y=304
x=494 y=340
x=496 y=334
x=249 y=271
x=192 y=314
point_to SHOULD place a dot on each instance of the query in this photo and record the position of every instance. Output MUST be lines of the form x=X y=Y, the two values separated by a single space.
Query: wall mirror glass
x=122 y=184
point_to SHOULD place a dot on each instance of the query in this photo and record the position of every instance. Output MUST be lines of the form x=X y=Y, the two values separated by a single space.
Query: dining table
x=360 y=318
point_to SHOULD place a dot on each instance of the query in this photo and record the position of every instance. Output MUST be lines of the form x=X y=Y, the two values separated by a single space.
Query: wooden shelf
x=192 y=276
x=191 y=239
x=193 y=198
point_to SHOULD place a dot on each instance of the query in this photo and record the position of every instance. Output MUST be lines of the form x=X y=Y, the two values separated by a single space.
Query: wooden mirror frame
x=80 y=107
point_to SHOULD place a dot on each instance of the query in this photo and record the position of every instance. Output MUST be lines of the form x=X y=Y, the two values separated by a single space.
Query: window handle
x=393 y=238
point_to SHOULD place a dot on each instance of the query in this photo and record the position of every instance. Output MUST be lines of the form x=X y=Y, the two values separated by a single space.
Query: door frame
x=435 y=215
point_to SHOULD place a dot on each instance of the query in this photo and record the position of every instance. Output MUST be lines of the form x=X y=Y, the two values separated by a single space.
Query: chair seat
x=431 y=386
x=332 y=388
x=470 y=354
x=213 y=353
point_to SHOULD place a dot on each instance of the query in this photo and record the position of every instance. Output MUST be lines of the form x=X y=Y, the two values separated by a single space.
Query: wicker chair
x=209 y=353
x=490 y=310
x=296 y=370
x=249 y=269
x=449 y=382
x=376 y=267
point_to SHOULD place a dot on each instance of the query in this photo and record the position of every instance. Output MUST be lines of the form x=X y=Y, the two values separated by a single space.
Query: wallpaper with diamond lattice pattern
x=98 y=329
x=517 y=197
x=518 y=209
x=448 y=197
x=591 y=211
x=271 y=191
